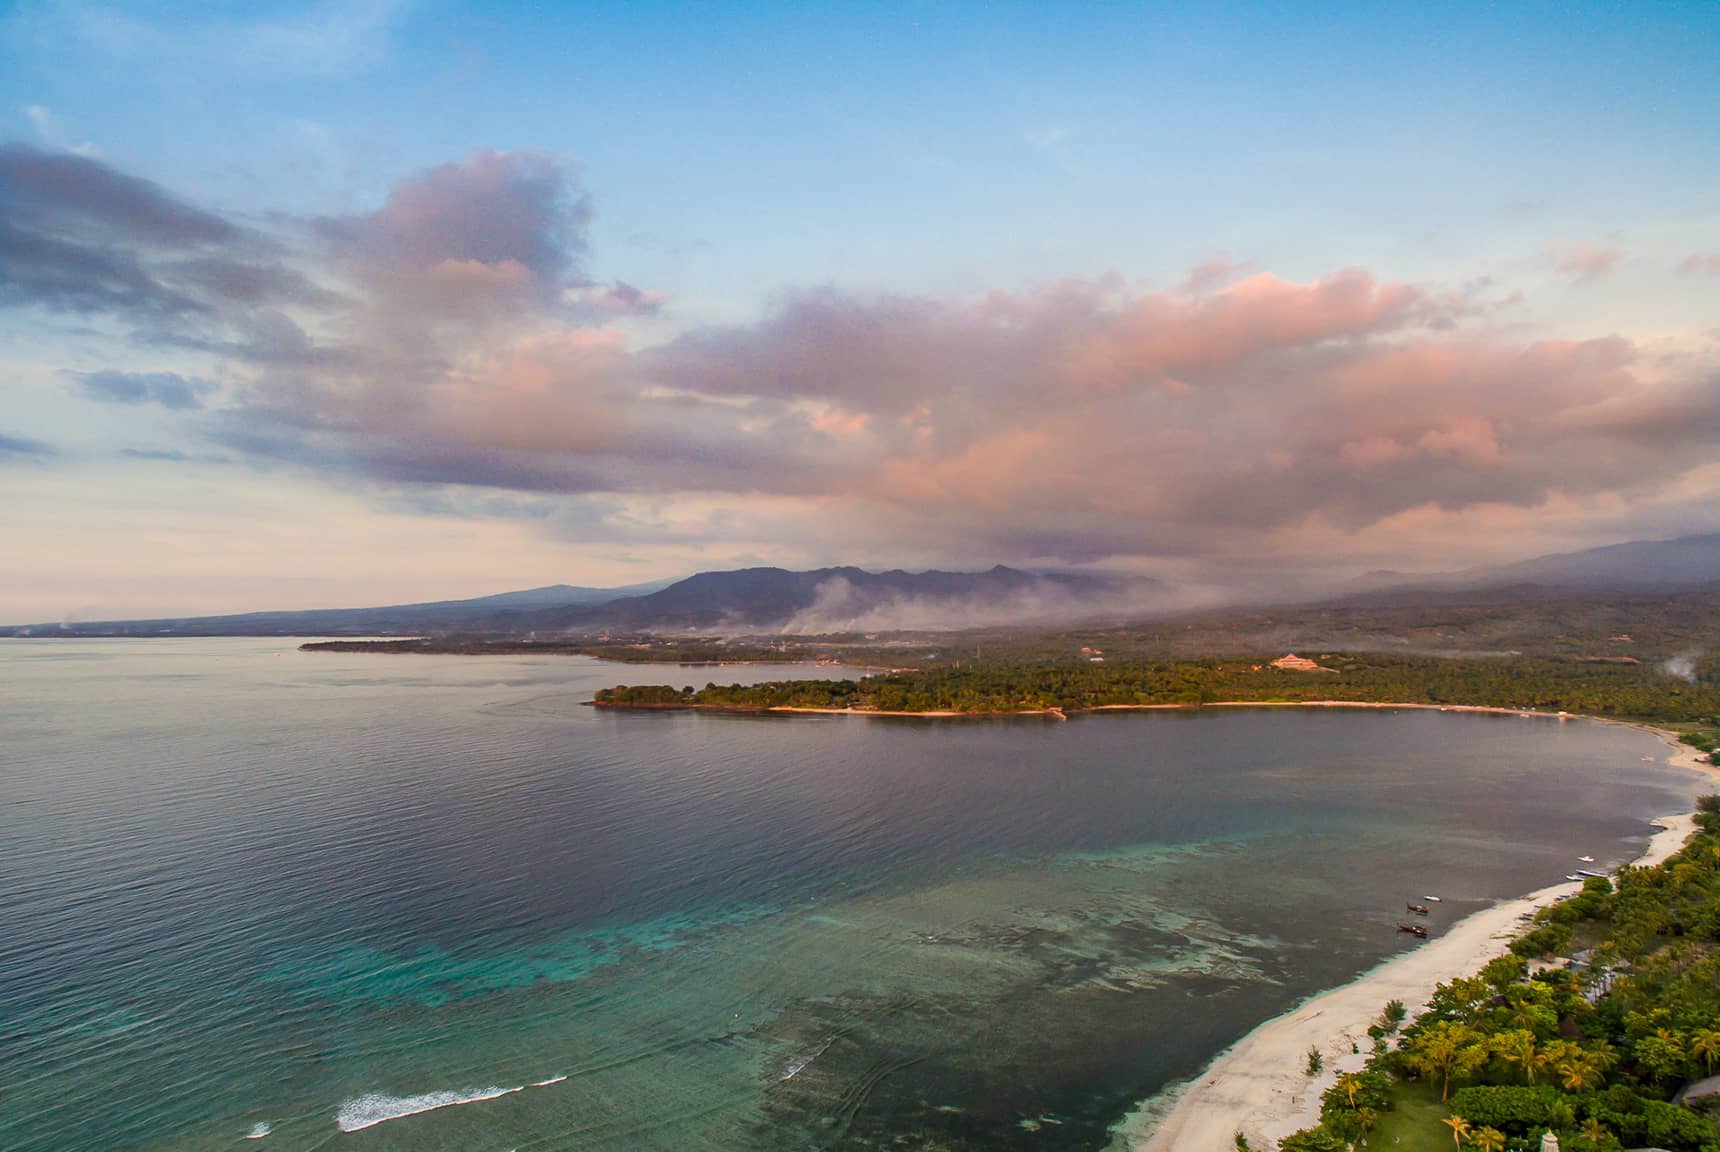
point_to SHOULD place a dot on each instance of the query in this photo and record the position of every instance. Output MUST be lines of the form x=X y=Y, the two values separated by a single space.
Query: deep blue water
x=245 y=886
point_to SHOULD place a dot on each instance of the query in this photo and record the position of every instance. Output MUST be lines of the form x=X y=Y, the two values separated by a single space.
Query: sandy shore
x=1259 y=1086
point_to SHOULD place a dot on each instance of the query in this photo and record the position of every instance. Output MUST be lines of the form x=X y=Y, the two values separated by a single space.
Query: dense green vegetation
x=1594 y=1050
x=1641 y=626
x=1624 y=690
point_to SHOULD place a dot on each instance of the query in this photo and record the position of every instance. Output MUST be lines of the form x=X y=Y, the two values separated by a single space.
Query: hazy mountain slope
x=848 y=599
x=498 y=611
x=1687 y=561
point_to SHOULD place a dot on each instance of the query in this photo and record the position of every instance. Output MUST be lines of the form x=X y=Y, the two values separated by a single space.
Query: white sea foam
x=258 y=1131
x=374 y=1108
x=798 y=1064
x=547 y=1083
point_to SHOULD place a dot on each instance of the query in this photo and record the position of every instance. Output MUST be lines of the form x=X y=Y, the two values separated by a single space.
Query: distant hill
x=774 y=600
x=499 y=612
x=1685 y=562
x=853 y=600
x=828 y=600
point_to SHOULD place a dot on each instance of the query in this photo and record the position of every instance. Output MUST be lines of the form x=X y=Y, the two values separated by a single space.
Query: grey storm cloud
x=452 y=339
x=168 y=389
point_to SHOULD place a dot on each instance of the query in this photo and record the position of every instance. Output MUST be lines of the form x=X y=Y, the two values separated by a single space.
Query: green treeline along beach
x=1602 y=1026
x=1643 y=692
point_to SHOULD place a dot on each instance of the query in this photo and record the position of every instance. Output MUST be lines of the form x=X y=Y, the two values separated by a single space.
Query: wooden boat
x=1418 y=909
x=1414 y=930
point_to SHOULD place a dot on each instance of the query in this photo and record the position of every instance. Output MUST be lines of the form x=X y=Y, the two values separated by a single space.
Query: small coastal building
x=1291 y=662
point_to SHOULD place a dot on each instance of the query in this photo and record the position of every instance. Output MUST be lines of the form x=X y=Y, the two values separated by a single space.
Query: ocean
x=255 y=898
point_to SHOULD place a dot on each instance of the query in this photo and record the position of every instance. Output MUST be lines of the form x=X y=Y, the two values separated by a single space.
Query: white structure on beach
x=1549 y=1143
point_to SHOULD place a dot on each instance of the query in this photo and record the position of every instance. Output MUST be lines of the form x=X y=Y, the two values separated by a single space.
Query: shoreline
x=1060 y=713
x=1258 y=1086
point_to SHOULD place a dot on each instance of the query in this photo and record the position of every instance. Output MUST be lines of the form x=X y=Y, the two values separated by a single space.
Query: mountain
x=773 y=600
x=1684 y=562
x=483 y=613
x=826 y=600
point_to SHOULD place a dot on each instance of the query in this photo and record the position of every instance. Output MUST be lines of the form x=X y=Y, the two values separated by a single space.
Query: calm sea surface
x=258 y=898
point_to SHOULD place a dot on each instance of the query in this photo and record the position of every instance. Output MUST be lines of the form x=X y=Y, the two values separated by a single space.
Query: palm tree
x=1489 y=1140
x=1578 y=1072
x=1366 y=1118
x=1518 y=1047
x=1594 y=1131
x=1705 y=1046
x=1448 y=1049
x=1351 y=1084
x=1459 y=1129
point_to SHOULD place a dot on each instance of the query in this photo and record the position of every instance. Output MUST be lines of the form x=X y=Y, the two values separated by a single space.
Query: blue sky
x=1553 y=164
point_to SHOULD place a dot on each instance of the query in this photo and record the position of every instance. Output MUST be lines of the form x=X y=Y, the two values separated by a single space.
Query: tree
x=1367 y=1118
x=1518 y=1047
x=1393 y=1016
x=1488 y=1140
x=1311 y=1140
x=1315 y=1061
x=1705 y=1046
x=1459 y=1129
x=1351 y=1085
x=1661 y=1055
x=1578 y=1072
x=1446 y=1050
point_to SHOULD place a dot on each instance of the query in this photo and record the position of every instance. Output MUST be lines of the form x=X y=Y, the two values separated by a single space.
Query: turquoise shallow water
x=417 y=903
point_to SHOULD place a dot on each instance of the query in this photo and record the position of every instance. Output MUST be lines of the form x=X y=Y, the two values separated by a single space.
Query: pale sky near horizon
x=348 y=303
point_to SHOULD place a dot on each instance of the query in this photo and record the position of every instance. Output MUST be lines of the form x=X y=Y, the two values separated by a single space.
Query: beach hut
x=1549 y=1142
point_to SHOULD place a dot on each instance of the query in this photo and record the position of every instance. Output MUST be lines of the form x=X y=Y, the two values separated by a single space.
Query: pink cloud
x=1210 y=274
x=1585 y=263
x=1162 y=338
x=468 y=349
x=1708 y=262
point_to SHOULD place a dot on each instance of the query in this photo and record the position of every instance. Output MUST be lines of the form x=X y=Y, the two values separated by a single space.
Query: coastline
x=1258 y=1086
x=1060 y=713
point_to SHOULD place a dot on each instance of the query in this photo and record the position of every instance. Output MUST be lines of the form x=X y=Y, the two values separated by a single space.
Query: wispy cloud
x=52 y=131
x=1585 y=263
x=1697 y=262
x=167 y=389
x=1210 y=274
x=332 y=36
x=23 y=447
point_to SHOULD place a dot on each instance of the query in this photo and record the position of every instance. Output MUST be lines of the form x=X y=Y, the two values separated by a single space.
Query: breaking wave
x=375 y=1108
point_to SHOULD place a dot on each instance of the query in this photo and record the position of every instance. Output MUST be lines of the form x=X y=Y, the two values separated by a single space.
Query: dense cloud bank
x=453 y=339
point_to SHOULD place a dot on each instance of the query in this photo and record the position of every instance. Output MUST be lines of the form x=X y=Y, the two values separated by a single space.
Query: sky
x=372 y=302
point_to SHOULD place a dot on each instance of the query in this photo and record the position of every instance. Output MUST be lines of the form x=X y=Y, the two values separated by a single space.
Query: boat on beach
x=1417 y=930
x=1418 y=909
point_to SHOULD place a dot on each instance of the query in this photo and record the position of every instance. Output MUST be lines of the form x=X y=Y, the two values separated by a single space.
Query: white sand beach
x=1259 y=1086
